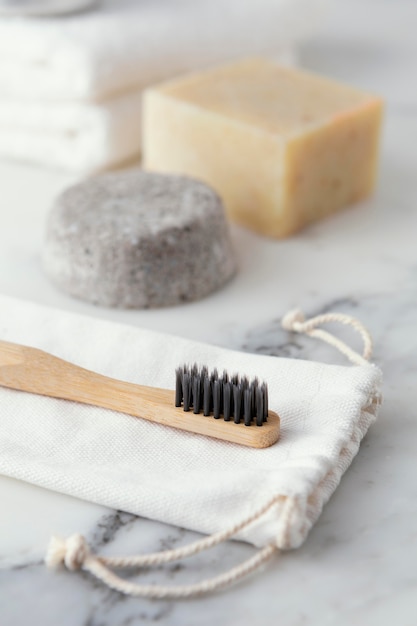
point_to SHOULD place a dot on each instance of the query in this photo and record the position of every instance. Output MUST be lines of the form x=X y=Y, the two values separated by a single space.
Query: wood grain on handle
x=35 y=371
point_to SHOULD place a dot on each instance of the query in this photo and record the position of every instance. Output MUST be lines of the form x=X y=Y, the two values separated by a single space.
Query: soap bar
x=282 y=147
x=135 y=239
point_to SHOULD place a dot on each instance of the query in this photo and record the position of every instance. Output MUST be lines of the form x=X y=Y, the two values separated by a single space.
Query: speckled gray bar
x=138 y=239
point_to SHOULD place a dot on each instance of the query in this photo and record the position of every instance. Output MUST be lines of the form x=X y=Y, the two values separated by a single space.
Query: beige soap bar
x=282 y=147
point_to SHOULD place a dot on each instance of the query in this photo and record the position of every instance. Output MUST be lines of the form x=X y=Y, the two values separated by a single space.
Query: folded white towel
x=80 y=137
x=127 y=43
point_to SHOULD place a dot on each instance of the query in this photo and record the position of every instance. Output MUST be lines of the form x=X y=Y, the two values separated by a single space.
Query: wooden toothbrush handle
x=33 y=370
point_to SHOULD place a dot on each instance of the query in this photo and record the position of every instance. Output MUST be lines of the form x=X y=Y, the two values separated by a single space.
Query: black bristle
x=194 y=370
x=217 y=409
x=178 y=387
x=203 y=375
x=265 y=396
x=237 y=402
x=259 y=407
x=196 y=394
x=227 y=401
x=227 y=396
x=253 y=387
x=186 y=388
x=207 y=396
x=247 y=406
x=213 y=377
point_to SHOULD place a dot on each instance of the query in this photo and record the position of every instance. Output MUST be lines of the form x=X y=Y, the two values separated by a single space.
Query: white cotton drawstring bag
x=268 y=497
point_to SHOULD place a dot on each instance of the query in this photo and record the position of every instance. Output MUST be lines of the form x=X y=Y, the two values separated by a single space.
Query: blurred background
x=72 y=71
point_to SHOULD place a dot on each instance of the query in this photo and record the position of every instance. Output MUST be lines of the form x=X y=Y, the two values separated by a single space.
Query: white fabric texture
x=175 y=477
x=78 y=136
x=128 y=43
x=108 y=55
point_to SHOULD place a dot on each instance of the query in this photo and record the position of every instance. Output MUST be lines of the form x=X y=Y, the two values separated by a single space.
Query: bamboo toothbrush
x=242 y=404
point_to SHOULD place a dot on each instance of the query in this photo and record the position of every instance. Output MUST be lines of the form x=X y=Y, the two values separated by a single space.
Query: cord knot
x=71 y=551
x=292 y=320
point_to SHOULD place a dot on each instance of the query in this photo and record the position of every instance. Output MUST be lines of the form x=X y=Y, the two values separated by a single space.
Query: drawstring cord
x=296 y=322
x=75 y=553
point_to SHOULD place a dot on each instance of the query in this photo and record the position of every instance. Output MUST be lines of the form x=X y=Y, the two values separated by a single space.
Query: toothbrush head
x=231 y=397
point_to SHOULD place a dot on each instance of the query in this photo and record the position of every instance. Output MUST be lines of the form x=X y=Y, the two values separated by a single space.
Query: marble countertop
x=358 y=565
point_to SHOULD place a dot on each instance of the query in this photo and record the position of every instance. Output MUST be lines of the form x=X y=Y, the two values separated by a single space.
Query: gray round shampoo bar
x=138 y=239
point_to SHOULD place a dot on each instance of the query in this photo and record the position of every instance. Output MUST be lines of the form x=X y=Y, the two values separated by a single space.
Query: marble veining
x=358 y=563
